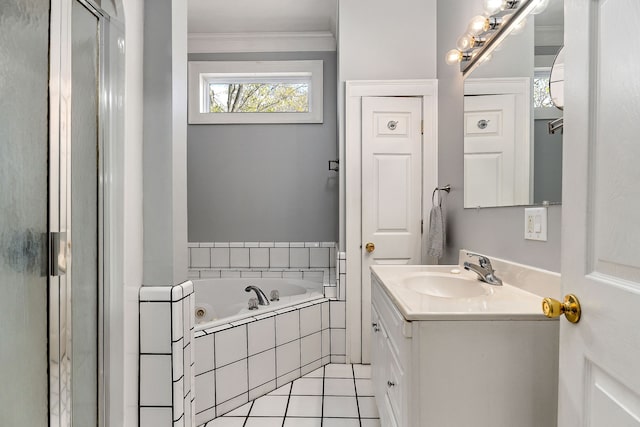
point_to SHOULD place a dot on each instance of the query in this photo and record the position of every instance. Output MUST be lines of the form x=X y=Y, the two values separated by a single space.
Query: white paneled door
x=600 y=355
x=391 y=190
x=489 y=150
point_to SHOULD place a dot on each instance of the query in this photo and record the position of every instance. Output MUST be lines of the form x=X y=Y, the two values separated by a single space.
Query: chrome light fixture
x=486 y=32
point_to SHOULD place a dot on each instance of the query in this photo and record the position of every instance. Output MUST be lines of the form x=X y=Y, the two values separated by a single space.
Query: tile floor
x=332 y=396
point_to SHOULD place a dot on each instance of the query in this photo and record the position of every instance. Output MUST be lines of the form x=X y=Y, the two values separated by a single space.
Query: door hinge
x=422 y=127
x=422 y=226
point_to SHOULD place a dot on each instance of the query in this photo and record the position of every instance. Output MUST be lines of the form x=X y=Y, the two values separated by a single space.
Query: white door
x=391 y=190
x=489 y=150
x=600 y=355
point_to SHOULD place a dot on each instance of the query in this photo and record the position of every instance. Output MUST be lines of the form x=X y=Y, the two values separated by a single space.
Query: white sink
x=444 y=285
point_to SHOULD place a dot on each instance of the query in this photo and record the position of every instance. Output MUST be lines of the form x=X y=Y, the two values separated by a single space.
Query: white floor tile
x=370 y=422
x=282 y=391
x=368 y=408
x=362 y=371
x=340 y=407
x=340 y=422
x=334 y=370
x=302 y=422
x=269 y=406
x=226 y=422
x=339 y=387
x=264 y=422
x=364 y=387
x=307 y=387
x=242 y=411
x=318 y=373
x=305 y=406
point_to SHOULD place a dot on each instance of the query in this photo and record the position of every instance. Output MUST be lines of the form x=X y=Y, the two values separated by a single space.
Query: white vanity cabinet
x=440 y=371
x=390 y=358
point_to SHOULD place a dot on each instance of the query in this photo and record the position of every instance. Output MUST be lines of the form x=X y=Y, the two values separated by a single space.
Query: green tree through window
x=259 y=97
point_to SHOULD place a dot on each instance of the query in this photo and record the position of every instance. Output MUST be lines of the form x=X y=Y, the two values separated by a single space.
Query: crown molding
x=262 y=42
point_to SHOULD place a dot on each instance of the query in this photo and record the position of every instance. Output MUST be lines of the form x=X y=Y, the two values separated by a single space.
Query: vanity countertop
x=505 y=302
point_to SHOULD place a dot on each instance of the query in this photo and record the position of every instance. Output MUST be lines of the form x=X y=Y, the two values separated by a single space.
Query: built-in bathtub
x=220 y=301
x=242 y=354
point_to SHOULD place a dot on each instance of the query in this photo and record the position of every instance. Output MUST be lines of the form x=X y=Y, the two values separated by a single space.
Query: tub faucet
x=483 y=269
x=262 y=298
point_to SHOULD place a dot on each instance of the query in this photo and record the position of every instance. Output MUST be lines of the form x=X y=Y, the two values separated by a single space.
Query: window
x=543 y=106
x=541 y=95
x=255 y=92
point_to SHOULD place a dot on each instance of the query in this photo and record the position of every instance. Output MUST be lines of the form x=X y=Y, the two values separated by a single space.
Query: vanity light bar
x=484 y=34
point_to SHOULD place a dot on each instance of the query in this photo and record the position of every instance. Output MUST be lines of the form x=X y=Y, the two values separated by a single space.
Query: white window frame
x=200 y=72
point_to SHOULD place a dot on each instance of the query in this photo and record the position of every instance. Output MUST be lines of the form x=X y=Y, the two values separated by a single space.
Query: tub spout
x=262 y=298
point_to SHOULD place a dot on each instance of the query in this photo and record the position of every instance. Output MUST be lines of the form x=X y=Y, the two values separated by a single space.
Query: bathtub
x=242 y=354
x=220 y=301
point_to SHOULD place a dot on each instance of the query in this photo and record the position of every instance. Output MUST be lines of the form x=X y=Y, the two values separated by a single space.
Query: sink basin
x=444 y=285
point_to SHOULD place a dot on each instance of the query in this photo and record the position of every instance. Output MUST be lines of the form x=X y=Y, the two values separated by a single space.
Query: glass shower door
x=84 y=214
x=24 y=146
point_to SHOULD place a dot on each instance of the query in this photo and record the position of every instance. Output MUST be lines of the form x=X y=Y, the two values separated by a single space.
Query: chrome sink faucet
x=483 y=269
x=262 y=298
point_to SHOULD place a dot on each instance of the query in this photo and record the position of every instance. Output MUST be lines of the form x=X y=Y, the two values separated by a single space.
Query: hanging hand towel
x=436 y=235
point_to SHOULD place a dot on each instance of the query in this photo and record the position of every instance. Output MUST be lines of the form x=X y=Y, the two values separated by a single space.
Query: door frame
x=355 y=90
x=521 y=88
x=110 y=139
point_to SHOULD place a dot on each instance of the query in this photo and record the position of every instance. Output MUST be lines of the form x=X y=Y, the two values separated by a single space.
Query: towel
x=437 y=233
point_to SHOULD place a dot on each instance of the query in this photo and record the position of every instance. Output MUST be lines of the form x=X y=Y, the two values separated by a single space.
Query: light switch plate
x=535 y=224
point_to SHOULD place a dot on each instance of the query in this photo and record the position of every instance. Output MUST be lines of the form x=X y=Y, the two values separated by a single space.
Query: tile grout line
x=246 y=419
x=355 y=392
x=286 y=409
x=324 y=370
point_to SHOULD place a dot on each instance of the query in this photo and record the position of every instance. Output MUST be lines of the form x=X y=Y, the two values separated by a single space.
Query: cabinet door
x=378 y=356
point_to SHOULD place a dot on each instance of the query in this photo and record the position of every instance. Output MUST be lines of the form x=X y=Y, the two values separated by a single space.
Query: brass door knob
x=370 y=247
x=570 y=308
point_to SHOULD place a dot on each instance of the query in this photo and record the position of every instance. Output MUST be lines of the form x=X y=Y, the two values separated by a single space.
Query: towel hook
x=446 y=188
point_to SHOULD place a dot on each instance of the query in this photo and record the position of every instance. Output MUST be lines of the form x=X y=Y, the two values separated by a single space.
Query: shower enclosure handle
x=58 y=251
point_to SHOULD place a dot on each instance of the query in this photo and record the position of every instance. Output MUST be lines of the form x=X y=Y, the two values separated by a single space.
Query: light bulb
x=465 y=42
x=453 y=57
x=542 y=5
x=477 y=25
x=492 y=6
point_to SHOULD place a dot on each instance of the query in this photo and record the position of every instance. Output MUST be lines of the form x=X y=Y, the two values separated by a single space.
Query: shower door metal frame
x=60 y=227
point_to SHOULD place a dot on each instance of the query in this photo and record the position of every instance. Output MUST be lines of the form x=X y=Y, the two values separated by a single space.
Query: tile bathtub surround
x=337 y=328
x=331 y=396
x=166 y=357
x=238 y=362
x=315 y=261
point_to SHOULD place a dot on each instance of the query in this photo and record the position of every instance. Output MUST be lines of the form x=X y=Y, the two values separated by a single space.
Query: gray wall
x=265 y=182
x=494 y=231
x=547 y=167
x=379 y=40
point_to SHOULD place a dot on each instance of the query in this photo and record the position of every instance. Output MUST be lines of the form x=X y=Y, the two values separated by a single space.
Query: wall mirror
x=510 y=156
